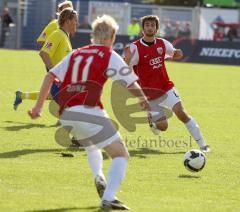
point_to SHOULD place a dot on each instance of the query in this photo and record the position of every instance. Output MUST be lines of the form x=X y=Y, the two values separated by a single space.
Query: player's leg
x=159 y=115
x=191 y=125
x=84 y=130
x=107 y=189
x=20 y=96
x=116 y=174
x=109 y=139
x=157 y=125
x=54 y=91
x=95 y=160
x=175 y=103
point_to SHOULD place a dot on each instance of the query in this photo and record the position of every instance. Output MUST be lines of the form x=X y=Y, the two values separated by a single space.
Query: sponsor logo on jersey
x=156 y=62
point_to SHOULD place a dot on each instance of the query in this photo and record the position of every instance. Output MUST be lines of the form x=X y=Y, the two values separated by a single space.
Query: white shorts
x=171 y=99
x=162 y=107
x=90 y=125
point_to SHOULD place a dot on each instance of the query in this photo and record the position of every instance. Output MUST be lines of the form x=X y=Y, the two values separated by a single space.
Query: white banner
x=119 y=11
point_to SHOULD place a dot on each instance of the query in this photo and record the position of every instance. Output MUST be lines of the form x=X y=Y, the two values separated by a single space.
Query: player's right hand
x=145 y=105
x=34 y=113
x=128 y=54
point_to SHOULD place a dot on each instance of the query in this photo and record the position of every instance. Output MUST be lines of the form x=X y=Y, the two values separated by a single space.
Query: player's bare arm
x=178 y=54
x=128 y=54
x=35 y=112
x=46 y=59
x=136 y=90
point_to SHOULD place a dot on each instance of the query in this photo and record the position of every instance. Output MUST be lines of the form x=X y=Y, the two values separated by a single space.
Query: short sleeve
x=60 y=70
x=169 y=49
x=118 y=70
x=51 y=44
x=49 y=29
x=42 y=37
x=135 y=58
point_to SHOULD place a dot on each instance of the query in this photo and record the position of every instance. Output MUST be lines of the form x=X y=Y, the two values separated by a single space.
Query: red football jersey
x=85 y=77
x=151 y=70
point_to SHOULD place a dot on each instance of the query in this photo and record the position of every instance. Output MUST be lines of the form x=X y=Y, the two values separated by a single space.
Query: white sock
x=194 y=130
x=95 y=160
x=116 y=175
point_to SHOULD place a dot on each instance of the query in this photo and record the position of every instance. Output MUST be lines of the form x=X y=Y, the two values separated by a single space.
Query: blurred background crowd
x=218 y=20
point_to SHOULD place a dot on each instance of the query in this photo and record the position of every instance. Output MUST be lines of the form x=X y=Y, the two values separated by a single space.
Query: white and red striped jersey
x=84 y=72
x=149 y=65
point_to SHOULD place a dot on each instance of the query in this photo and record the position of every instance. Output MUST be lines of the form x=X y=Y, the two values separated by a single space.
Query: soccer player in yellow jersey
x=58 y=45
x=53 y=25
x=57 y=39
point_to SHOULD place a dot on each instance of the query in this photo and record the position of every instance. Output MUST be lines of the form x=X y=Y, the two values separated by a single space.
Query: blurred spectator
x=176 y=29
x=85 y=24
x=167 y=28
x=185 y=31
x=133 y=29
x=218 y=34
x=232 y=34
x=6 y=20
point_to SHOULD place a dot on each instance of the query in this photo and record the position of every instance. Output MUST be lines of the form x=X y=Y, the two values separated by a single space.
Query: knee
x=122 y=155
x=126 y=155
x=121 y=151
x=162 y=126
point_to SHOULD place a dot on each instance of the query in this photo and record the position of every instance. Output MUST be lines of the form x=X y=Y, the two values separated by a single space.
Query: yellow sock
x=49 y=97
x=30 y=95
x=33 y=95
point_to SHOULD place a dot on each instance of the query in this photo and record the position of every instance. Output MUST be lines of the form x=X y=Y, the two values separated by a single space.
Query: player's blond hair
x=63 y=5
x=66 y=14
x=103 y=28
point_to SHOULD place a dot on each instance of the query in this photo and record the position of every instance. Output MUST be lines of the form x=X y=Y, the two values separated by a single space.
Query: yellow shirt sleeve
x=52 y=43
x=57 y=46
x=48 y=30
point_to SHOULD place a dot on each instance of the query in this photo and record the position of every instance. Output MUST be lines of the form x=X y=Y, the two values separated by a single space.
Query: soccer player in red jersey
x=82 y=74
x=147 y=56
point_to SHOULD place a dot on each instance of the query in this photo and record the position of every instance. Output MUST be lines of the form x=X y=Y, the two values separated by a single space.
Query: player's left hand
x=178 y=54
x=34 y=113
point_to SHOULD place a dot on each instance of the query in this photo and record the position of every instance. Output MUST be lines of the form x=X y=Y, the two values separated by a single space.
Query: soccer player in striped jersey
x=147 y=56
x=83 y=74
x=47 y=31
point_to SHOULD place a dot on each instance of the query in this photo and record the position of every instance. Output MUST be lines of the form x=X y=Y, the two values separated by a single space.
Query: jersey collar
x=141 y=40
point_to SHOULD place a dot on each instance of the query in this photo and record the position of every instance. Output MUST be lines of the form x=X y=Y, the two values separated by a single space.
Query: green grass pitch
x=34 y=177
